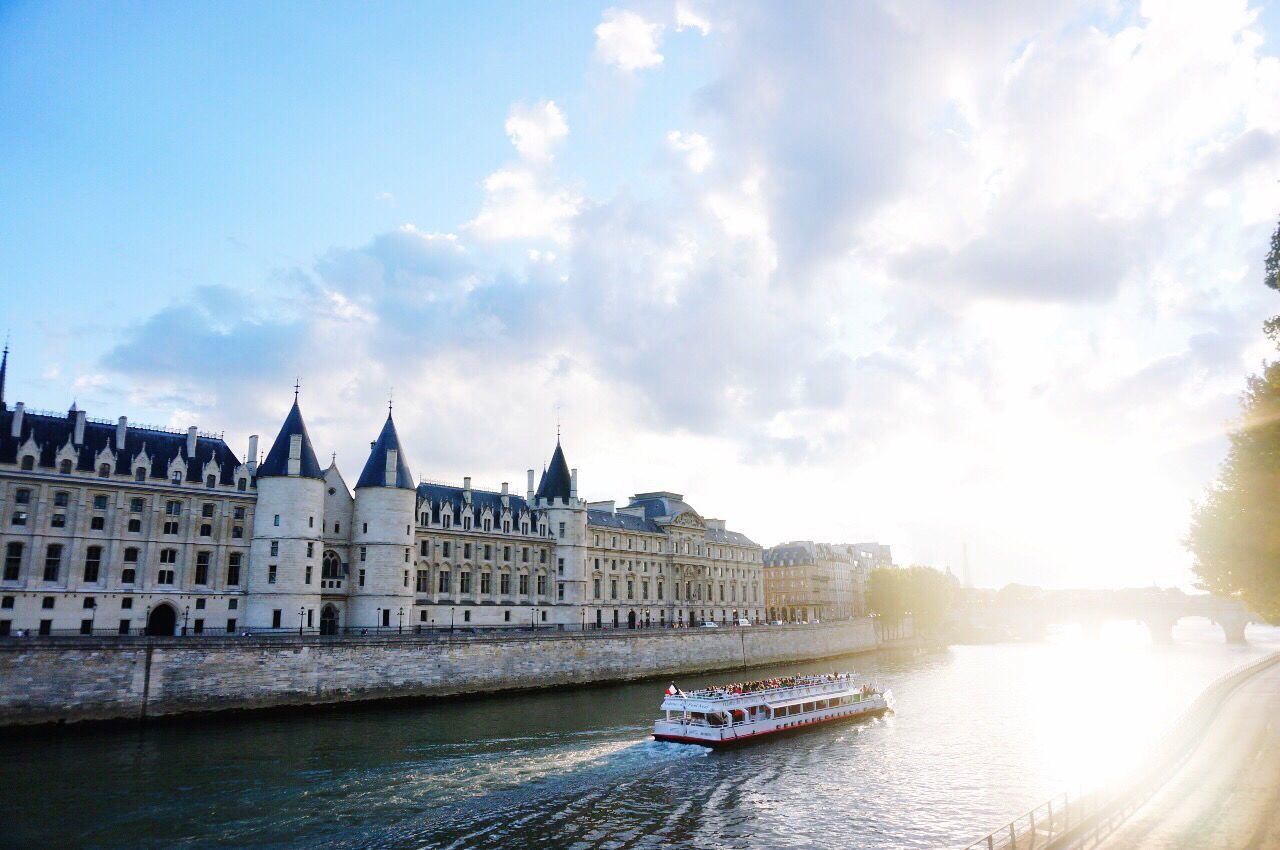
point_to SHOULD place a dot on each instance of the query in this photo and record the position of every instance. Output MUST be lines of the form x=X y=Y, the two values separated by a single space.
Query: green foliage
x=1235 y=531
x=1271 y=275
x=923 y=592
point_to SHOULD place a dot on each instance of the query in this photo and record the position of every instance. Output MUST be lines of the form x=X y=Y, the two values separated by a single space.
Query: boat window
x=808 y=706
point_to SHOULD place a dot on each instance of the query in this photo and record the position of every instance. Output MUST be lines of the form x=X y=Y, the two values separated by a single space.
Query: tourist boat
x=733 y=713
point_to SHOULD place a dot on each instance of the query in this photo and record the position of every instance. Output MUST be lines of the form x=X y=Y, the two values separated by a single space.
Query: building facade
x=109 y=526
x=806 y=581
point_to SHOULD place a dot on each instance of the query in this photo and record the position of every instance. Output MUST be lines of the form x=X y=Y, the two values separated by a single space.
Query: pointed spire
x=291 y=453
x=556 y=481
x=386 y=466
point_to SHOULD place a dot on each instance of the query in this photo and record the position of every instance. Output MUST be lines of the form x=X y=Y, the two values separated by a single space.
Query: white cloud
x=520 y=203
x=536 y=130
x=627 y=40
x=695 y=148
x=688 y=18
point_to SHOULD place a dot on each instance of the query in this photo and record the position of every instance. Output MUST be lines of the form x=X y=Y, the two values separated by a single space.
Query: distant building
x=805 y=580
x=108 y=525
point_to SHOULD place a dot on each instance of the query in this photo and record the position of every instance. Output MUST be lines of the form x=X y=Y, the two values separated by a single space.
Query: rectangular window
x=97 y=523
x=524 y=585
x=47 y=603
x=595 y=584
x=275 y=548
x=504 y=584
x=466 y=551
x=443 y=585
x=307 y=580
x=92 y=563
x=52 y=561
x=506 y=554
x=206 y=530
x=423 y=584
x=364 y=552
x=206 y=509
x=362 y=578
x=311 y=549
x=58 y=521
x=202 y=568
x=562 y=531
x=165 y=577
x=486 y=583
x=488 y=552
x=524 y=554
x=276 y=523
x=271 y=574
x=173 y=508
x=275 y=618
x=171 y=527
x=560 y=591
x=542 y=585
x=444 y=549
x=136 y=506
x=12 y=561
x=464 y=583
x=631 y=590
x=559 y=566
x=233 y=569
x=659 y=591
x=424 y=548
x=238 y=512
x=613 y=588
x=135 y=526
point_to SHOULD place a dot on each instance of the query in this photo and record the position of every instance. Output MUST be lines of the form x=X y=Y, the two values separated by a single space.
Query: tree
x=887 y=595
x=922 y=592
x=1235 y=532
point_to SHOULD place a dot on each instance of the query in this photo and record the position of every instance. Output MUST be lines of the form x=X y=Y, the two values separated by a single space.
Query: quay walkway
x=1226 y=795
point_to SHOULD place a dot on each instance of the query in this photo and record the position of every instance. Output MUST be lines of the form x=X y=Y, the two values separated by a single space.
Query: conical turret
x=291 y=453
x=556 y=482
x=386 y=466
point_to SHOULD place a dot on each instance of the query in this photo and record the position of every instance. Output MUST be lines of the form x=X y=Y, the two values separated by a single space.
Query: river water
x=980 y=734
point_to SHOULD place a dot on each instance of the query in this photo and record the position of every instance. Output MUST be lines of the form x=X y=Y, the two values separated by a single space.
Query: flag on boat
x=672 y=690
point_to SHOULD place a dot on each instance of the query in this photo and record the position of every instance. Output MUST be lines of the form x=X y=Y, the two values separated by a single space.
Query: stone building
x=807 y=581
x=108 y=525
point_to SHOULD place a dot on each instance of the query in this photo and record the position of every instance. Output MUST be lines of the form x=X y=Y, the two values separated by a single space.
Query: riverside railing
x=1083 y=819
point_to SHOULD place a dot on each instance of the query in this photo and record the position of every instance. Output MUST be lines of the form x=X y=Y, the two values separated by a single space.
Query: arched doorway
x=162 y=620
x=631 y=620
x=329 y=620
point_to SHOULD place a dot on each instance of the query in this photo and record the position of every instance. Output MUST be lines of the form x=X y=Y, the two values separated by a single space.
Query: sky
x=979 y=280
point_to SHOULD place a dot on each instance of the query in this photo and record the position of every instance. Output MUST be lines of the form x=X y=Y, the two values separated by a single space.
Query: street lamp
x=450 y=621
x=400 y=628
x=146 y=624
x=584 y=620
x=301 y=613
x=533 y=624
x=186 y=612
x=378 y=625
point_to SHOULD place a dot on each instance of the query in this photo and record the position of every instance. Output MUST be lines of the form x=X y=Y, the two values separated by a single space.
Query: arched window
x=140 y=474
x=28 y=462
x=65 y=467
x=331 y=566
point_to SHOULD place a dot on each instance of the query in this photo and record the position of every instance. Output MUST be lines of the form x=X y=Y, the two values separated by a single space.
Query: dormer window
x=104 y=470
x=140 y=474
x=28 y=462
x=210 y=482
x=176 y=478
x=65 y=467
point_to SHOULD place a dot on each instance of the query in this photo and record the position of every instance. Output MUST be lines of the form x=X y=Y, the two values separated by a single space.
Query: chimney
x=79 y=436
x=573 y=483
x=466 y=483
x=529 y=496
x=16 y=430
x=505 y=489
x=122 y=429
x=389 y=476
x=191 y=442
x=251 y=459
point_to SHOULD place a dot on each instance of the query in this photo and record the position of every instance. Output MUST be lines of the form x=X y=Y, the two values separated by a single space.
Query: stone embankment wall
x=49 y=681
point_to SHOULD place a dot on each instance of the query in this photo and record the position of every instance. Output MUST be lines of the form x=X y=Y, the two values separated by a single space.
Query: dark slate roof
x=626 y=522
x=375 y=468
x=277 y=462
x=720 y=535
x=662 y=504
x=794 y=553
x=52 y=433
x=450 y=498
x=556 y=482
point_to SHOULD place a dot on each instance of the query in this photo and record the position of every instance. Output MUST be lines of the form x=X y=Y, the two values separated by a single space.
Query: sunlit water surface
x=981 y=733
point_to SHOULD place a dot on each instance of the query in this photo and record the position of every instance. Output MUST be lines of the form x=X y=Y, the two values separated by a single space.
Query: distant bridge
x=1032 y=609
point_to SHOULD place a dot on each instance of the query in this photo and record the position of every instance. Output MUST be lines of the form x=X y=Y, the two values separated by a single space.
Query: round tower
x=382 y=590
x=557 y=499
x=286 y=550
